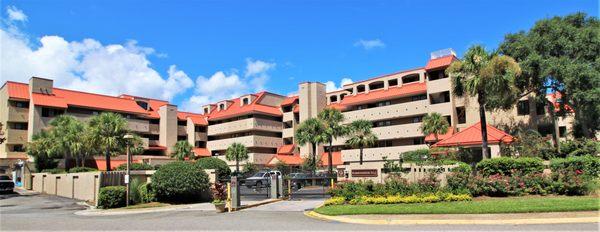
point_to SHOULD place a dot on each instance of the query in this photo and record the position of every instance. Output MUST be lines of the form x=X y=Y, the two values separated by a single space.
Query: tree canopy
x=434 y=123
x=562 y=54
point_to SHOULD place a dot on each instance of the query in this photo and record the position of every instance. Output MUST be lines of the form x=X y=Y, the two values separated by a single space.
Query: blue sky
x=201 y=51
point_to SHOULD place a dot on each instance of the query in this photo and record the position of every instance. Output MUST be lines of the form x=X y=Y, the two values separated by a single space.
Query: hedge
x=146 y=192
x=507 y=165
x=397 y=199
x=180 y=181
x=112 y=197
x=588 y=165
x=135 y=166
x=221 y=166
x=82 y=169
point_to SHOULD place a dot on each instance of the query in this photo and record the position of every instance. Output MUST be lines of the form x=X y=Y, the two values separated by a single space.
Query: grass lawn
x=477 y=206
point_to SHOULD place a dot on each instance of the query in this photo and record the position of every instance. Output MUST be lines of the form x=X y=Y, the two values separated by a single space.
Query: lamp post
x=127 y=138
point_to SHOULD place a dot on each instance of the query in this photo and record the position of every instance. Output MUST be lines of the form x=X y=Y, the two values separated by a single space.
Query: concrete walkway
x=289 y=205
x=465 y=219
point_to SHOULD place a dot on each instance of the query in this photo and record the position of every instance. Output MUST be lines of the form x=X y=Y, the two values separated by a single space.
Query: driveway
x=49 y=213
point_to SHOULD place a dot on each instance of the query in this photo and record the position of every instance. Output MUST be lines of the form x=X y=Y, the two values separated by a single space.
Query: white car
x=260 y=179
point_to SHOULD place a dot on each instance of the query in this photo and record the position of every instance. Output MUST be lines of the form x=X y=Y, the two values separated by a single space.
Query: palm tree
x=489 y=77
x=41 y=149
x=361 y=136
x=311 y=131
x=109 y=129
x=332 y=119
x=181 y=150
x=236 y=152
x=66 y=134
x=434 y=123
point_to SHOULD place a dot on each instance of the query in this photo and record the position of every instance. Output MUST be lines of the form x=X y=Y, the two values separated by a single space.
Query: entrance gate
x=306 y=186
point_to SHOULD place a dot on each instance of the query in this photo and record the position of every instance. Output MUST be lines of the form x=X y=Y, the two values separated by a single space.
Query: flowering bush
x=335 y=201
x=588 y=166
x=508 y=166
x=396 y=199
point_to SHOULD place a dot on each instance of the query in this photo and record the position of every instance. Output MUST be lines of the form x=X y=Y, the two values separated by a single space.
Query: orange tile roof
x=294 y=159
x=382 y=94
x=296 y=109
x=201 y=152
x=17 y=90
x=431 y=137
x=336 y=158
x=197 y=119
x=49 y=100
x=236 y=109
x=337 y=106
x=440 y=62
x=472 y=136
x=289 y=100
x=75 y=98
x=286 y=149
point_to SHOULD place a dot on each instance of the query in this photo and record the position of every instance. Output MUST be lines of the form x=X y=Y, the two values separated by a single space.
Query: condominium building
x=265 y=122
x=27 y=108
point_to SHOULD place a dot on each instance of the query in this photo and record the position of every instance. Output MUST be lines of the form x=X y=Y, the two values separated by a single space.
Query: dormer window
x=206 y=110
x=245 y=101
x=221 y=106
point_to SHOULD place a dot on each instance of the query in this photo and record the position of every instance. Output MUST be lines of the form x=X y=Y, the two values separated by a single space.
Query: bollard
x=280 y=186
x=235 y=193
x=228 y=197
x=289 y=188
x=273 y=187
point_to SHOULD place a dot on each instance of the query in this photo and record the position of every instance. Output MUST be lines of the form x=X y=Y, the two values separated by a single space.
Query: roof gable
x=472 y=136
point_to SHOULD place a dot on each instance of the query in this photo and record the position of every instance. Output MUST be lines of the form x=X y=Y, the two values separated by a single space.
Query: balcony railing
x=245 y=125
x=387 y=112
x=17 y=114
x=16 y=136
x=248 y=141
x=391 y=132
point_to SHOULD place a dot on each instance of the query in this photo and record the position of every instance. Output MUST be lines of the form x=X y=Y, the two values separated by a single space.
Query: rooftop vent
x=442 y=53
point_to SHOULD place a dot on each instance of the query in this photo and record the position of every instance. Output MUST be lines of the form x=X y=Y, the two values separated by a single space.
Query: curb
x=315 y=215
x=258 y=204
x=112 y=212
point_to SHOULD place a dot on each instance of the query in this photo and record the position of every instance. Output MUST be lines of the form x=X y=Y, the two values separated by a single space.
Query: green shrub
x=135 y=166
x=351 y=190
x=82 y=169
x=416 y=156
x=134 y=193
x=146 y=193
x=579 y=147
x=428 y=198
x=223 y=170
x=54 y=171
x=180 y=181
x=111 y=197
x=587 y=165
x=507 y=166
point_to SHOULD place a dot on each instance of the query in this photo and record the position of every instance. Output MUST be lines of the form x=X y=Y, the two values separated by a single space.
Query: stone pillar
x=40 y=86
x=313 y=99
x=168 y=127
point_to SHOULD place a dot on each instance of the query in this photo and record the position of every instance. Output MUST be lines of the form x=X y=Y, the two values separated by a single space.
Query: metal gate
x=302 y=186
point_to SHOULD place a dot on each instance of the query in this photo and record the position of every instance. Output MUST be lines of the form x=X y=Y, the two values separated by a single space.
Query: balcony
x=378 y=152
x=16 y=136
x=256 y=158
x=288 y=116
x=391 y=132
x=245 y=125
x=288 y=133
x=154 y=128
x=16 y=155
x=387 y=112
x=17 y=114
x=137 y=125
x=439 y=85
x=442 y=108
x=181 y=130
x=201 y=136
x=248 y=141
x=153 y=143
x=145 y=142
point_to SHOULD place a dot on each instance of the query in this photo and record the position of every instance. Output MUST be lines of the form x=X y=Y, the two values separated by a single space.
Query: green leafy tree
x=434 y=123
x=2 y=138
x=67 y=133
x=332 y=121
x=236 y=152
x=561 y=54
x=181 y=150
x=311 y=131
x=361 y=136
x=249 y=168
x=490 y=78
x=108 y=130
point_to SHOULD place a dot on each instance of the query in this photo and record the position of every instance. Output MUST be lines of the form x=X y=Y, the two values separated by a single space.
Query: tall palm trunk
x=361 y=155
x=484 y=141
x=314 y=163
x=330 y=159
x=107 y=157
x=237 y=166
x=555 y=130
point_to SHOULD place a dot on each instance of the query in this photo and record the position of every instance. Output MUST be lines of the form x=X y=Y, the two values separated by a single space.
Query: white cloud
x=369 y=44
x=330 y=85
x=226 y=85
x=14 y=14
x=88 y=65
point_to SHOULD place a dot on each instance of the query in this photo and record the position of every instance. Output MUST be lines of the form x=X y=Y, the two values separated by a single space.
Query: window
x=200 y=129
x=18 y=148
x=562 y=131
x=333 y=98
x=360 y=88
x=142 y=104
x=18 y=126
x=49 y=112
x=461 y=113
x=206 y=110
x=221 y=106
x=385 y=103
x=540 y=108
x=420 y=140
x=245 y=101
x=417 y=119
x=523 y=107
x=181 y=123
x=393 y=82
x=410 y=78
x=342 y=96
x=21 y=104
x=419 y=97
x=200 y=144
x=383 y=123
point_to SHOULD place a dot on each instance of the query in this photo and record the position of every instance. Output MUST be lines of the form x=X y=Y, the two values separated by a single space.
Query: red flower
x=579 y=172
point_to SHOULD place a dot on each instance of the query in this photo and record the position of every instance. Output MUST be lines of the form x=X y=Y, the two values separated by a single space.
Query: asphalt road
x=41 y=212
